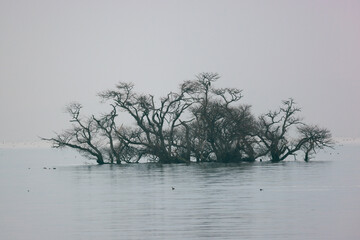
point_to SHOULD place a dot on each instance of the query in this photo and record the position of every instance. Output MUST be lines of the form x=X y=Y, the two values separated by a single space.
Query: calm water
x=316 y=200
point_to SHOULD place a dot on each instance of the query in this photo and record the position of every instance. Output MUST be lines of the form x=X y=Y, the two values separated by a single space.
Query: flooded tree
x=83 y=136
x=276 y=129
x=156 y=122
x=198 y=122
x=222 y=127
x=273 y=130
x=314 y=138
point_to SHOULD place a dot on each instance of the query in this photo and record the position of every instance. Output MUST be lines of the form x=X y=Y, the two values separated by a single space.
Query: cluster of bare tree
x=198 y=123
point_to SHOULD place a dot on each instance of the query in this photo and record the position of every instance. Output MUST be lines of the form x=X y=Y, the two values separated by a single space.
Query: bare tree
x=201 y=96
x=83 y=136
x=314 y=138
x=223 y=129
x=118 y=149
x=156 y=123
x=199 y=121
x=273 y=131
x=274 y=134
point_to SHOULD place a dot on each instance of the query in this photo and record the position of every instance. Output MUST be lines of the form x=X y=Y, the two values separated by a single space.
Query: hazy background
x=55 y=52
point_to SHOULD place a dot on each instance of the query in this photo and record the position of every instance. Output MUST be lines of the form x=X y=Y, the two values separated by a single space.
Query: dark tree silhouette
x=83 y=136
x=198 y=122
x=157 y=123
x=222 y=129
x=314 y=138
x=274 y=128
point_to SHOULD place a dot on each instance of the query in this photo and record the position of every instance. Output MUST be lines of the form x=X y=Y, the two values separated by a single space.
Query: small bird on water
x=172 y=188
x=261 y=189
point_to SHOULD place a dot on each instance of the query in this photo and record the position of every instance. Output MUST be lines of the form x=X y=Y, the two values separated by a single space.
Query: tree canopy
x=198 y=122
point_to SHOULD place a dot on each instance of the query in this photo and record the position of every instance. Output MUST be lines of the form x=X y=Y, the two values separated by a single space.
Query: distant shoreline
x=46 y=145
x=347 y=140
x=24 y=145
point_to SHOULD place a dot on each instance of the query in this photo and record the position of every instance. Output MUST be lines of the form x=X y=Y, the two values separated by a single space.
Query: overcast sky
x=55 y=52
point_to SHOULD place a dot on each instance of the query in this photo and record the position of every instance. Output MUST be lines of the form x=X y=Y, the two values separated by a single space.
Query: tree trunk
x=275 y=157
x=100 y=160
x=188 y=143
x=306 y=158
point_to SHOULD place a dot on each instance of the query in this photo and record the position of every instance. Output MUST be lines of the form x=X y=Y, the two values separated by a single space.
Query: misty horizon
x=54 y=53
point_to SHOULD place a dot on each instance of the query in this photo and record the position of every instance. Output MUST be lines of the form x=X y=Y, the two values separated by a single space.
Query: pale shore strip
x=24 y=145
x=347 y=141
x=43 y=144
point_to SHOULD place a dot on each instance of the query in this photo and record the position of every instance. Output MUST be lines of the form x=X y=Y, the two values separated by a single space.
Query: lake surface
x=315 y=200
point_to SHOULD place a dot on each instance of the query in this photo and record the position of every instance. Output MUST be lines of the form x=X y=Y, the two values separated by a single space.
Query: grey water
x=75 y=199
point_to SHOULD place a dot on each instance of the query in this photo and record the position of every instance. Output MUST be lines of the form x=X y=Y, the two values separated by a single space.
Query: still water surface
x=316 y=200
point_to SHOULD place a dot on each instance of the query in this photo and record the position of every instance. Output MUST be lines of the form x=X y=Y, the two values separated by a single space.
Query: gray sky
x=55 y=52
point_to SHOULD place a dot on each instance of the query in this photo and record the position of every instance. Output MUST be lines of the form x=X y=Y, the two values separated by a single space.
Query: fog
x=55 y=52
